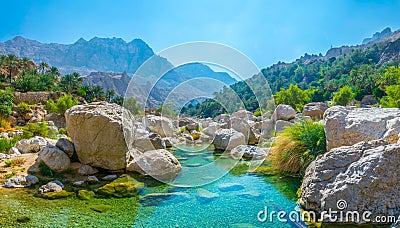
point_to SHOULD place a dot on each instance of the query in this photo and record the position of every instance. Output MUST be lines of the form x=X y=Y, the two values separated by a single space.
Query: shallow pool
x=233 y=200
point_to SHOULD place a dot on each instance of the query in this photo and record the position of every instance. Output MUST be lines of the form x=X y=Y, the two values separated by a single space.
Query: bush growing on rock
x=297 y=146
x=62 y=104
x=23 y=108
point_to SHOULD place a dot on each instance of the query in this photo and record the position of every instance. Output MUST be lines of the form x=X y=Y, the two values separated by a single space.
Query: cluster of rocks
x=19 y=117
x=361 y=166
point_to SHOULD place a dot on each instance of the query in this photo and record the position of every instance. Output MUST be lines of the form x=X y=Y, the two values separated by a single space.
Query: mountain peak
x=378 y=36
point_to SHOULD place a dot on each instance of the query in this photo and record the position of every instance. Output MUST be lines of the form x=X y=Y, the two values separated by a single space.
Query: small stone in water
x=23 y=219
x=110 y=177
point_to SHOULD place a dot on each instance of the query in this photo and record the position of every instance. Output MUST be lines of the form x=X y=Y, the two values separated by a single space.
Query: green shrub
x=23 y=108
x=293 y=96
x=6 y=144
x=297 y=146
x=36 y=129
x=6 y=103
x=62 y=104
x=392 y=100
x=8 y=163
x=258 y=113
x=62 y=131
x=343 y=96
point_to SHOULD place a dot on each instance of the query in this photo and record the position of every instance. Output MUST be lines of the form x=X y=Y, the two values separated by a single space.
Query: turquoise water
x=234 y=200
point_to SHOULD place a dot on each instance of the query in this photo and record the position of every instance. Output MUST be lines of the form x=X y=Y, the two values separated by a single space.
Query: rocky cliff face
x=97 y=54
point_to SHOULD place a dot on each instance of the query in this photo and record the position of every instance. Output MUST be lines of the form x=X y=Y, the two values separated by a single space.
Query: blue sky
x=266 y=31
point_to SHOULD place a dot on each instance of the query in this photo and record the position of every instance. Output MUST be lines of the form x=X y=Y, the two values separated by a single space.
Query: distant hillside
x=97 y=54
x=99 y=58
x=361 y=67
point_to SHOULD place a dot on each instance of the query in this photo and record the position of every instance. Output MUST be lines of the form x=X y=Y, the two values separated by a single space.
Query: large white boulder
x=363 y=176
x=160 y=164
x=315 y=110
x=246 y=151
x=227 y=139
x=284 y=112
x=102 y=134
x=56 y=159
x=346 y=126
x=160 y=125
x=31 y=145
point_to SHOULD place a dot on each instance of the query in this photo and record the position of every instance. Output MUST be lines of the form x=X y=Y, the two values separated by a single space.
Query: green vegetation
x=293 y=96
x=23 y=108
x=45 y=170
x=320 y=77
x=297 y=146
x=344 y=96
x=18 y=161
x=62 y=104
x=166 y=110
x=134 y=107
x=6 y=144
x=392 y=100
x=36 y=129
x=6 y=103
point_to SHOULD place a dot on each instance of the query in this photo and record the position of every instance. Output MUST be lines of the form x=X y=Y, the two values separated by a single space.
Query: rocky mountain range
x=101 y=61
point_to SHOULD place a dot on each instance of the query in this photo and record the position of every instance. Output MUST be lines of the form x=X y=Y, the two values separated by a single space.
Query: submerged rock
x=123 y=187
x=204 y=195
x=97 y=130
x=228 y=187
x=100 y=208
x=21 y=181
x=53 y=186
x=85 y=194
x=154 y=199
x=56 y=195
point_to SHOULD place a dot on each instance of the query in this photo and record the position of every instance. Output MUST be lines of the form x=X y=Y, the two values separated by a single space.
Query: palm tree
x=110 y=94
x=43 y=67
x=70 y=83
x=12 y=61
x=54 y=71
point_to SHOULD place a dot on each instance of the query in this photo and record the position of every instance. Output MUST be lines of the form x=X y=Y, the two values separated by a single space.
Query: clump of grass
x=13 y=173
x=45 y=170
x=297 y=146
x=8 y=163
x=36 y=129
x=18 y=161
x=6 y=144
x=15 y=162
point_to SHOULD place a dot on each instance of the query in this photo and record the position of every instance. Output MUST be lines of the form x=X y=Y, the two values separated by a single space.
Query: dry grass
x=5 y=126
x=297 y=146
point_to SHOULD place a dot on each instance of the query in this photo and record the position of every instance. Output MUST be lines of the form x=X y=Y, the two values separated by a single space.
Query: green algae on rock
x=85 y=194
x=100 y=208
x=56 y=195
x=124 y=186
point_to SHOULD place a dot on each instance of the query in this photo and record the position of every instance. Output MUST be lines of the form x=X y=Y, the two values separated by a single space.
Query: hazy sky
x=266 y=31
